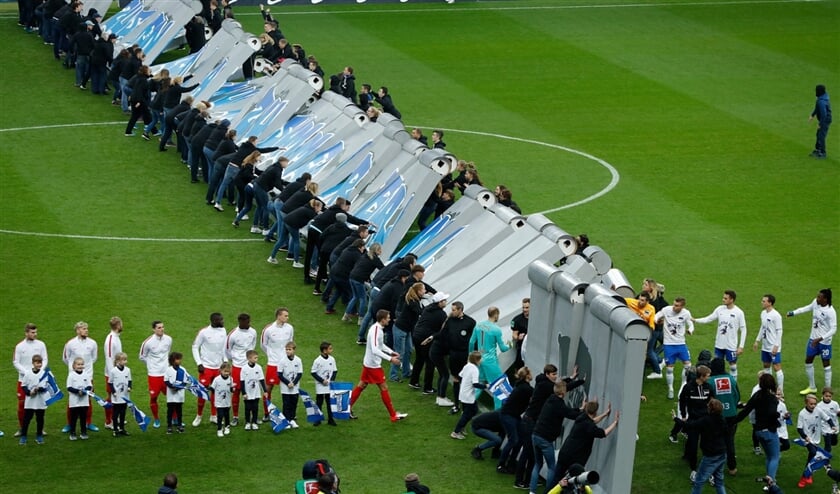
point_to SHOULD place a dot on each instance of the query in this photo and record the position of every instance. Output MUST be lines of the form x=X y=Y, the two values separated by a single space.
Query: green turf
x=701 y=106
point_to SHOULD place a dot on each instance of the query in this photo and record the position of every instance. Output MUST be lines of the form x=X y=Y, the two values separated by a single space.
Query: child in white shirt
x=469 y=385
x=324 y=370
x=252 y=385
x=34 y=404
x=222 y=387
x=290 y=370
x=119 y=386
x=175 y=379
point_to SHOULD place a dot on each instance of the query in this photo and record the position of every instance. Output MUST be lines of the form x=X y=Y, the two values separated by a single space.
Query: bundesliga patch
x=723 y=386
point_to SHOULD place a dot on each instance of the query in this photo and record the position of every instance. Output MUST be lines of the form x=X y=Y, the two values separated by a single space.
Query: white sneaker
x=654 y=375
x=456 y=435
x=671 y=394
x=444 y=402
x=293 y=424
x=271 y=260
x=400 y=416
x=220 y=433
x=109 y=425
x=256 y=229
x=197 y=421
x=298 y=265
x=245 y=217
x=234 y=422
x=227 y=430
x=248 y=426
x=255 y=427
x=692 y=476
x=213 y=419
x=265 y=232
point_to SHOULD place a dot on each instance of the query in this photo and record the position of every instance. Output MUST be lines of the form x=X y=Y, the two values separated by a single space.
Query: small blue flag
x=500 y=388
x=142 y=420
x=196 y=388
x=99 y=400
x=340 y=399
x=313 y=413
x=52 y=393
x=819 y=461
x=278 y=420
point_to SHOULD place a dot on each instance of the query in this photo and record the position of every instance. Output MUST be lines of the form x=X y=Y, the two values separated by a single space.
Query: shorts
x=235 y=374
x=372 y=375
x=730 y=356
x=156 y=386
x=674 y=353
x=768 y=358
x=206 y=377
x=824 y=351
x=272 y=378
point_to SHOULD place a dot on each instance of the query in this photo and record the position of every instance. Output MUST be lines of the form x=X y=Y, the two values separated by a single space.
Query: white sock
x=684 y=374
x=669 y=377
x=733 y=370
x=827 y=375
x=780 y=380
x=809 y=372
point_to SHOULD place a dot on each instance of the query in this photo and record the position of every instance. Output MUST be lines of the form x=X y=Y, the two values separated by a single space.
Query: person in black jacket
x=359 y=278
x=70 y=21
x=340 y=273
x=319 y=224
x=261 y=195
x=330 y=238
x=81 y=44
x=139 y=99
x=511 y=416
x=712 y=430
x=693 y=400
x=765 y=404
x=128 y=69
x=430 y=322
x=271 y=179
x=383 y=98
x=547 y=429
x=195 y=33
x=577 y=447
x=284 y=236
x=101 y=57
x=347 y=84
x=172 y=106
x=387 y=299
x=456 y=333
x=408 y=312
x=296 y=220
x=159 y=85
x=488 y=426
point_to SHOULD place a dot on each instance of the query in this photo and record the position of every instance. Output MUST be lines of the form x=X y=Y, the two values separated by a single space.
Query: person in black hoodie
x=296 y=220
x=195 y=33
x=765 y=403
x=383 y=98
x=100 y=59
x=128 y=69
x=543 y=389
x=284 y=238
x=347 y=84
x=693 y=400
x=547 y=429
x=456 y=332
x=511 y=416
x=408 y=312
x=139 y=99
x=340 y=273
x=712 y=429
x=319 y=224
x=359 y=278
x=81 y=44
x=173 y=106
x=330 y=238
x=430 y=323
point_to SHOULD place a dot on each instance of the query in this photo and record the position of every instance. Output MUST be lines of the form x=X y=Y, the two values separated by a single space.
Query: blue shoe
x=39 y=439
x=65 y=429
x=92 y=428
x=22 y=440
x=156 y=424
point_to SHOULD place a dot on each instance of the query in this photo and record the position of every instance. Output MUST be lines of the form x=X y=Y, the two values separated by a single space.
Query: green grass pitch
x=700 y=106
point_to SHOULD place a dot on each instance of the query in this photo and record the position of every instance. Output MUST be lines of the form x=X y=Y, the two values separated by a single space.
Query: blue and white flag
x=196 y=388
x=52 y=393
x=142 y=420
x=819 y=461
x=99 y=400
x=313 y=413
x=278 y=420
x=340 y=399
x=500 y=388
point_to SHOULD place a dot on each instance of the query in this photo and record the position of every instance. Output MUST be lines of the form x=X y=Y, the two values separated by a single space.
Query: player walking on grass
x=822 y=112
x=208 y=350
x=823 y=327
x=770 y=337
x=677 y=322
x=372 y=373
x=155 y=353
x=731 y=324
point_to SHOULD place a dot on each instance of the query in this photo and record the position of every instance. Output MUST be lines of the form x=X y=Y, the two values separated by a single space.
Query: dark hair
x=381 y=314
x=767 y=382
x=771 y=298
x=155 y=323
x=549 y=368
x=820 y=89
x=175 y=356
x=731 y=294
x=215 y=316
x=826 y=292
x=325 y=345
x=170 y=480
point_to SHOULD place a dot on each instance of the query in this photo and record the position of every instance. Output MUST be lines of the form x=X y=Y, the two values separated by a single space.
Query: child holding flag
x=252 y=385
x=324 y=370
x=78 y=385
x=174 y=378
x=34 y=387
x=290 y=370
x=119 y=386
x=469 y=386
x=809 y=425
x=222 y=387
